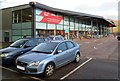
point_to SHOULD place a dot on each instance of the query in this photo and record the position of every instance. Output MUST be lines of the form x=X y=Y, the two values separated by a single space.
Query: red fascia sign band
x=50 y=18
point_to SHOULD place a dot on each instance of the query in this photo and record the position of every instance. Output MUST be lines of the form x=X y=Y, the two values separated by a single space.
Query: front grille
x=32 y=70
x=21 y=63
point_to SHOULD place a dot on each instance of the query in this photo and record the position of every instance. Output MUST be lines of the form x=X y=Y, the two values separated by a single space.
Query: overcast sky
x=105 y=8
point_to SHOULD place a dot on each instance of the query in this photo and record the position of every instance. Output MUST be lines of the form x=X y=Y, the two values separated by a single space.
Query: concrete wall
x=0 y=27
x=7 y=22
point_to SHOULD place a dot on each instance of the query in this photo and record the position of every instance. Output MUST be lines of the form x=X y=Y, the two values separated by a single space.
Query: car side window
x=70 y=45
x=60 y=38
x=62 y=47
x=56 y=38
x=32 y=42
x=41 y=40
x=46 y=39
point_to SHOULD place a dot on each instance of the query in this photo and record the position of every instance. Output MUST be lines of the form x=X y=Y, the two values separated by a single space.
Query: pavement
x=99 y=61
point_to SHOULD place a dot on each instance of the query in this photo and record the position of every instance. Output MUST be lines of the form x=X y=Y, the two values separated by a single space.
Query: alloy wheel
x=49 y=70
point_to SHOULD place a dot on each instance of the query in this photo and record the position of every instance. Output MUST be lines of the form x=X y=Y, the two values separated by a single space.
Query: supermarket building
x=35 y=19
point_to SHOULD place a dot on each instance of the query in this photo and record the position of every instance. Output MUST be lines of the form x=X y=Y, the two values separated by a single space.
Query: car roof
x=59 y=41
x=32 y=38
x=55 y=36
x=56 y=41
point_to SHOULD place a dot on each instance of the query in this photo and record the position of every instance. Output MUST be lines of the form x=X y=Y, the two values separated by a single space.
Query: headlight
x=34 y=63
x=4 y=55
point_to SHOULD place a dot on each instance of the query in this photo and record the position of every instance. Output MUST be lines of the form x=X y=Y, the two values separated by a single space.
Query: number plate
x=21 y=68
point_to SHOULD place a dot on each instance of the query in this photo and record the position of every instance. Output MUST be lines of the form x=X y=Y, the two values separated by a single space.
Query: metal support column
x=78 y=30
x=91 y=28
x=46 y=29
x=97 y=30
x=74 y=27
x=33 y=22
x=104 y=31
x=85 y=29
x=63 y=27
x=101 y=31
x=55 y=30
x=69 y=29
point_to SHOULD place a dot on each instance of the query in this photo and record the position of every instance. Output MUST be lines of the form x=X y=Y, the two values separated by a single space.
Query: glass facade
x=68 y=24
x=46 y=22
x=21 y=24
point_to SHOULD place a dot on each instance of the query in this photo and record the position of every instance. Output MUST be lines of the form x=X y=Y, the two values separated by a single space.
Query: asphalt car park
x=99 y=60
x=13 y=74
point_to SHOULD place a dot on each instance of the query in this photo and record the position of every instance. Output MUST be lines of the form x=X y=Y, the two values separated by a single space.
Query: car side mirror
x=21 y=46
x=59 y=51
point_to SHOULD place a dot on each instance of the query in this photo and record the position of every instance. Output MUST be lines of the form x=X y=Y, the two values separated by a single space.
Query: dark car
x=18 y=48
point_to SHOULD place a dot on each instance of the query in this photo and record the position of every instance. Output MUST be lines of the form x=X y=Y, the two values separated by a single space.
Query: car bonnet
x=33 y=57
x=8 y=50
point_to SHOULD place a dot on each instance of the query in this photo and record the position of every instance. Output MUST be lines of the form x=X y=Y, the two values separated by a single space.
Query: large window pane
x=59 y=27
x=83 y=27
x=76 y=20
x=27 y=32
x=71 y=28
x=27 y=15
x=39 y=18
x=72 y=24
x=80 y=26
x=51 y=26
x=40 y=25
x=76 y=27
x=66 y=18
x=16 y=32
x=26 y=25
x=16 y=16
x=66 y=28
x=16 y=26
x=72 y=19
x=66 y=22
x=14 y=38
x=38 y=11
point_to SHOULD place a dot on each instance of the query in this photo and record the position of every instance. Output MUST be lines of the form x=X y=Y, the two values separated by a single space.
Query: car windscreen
x=46 y=48
x=51 y=38
x=33 y=42
x=19 y=43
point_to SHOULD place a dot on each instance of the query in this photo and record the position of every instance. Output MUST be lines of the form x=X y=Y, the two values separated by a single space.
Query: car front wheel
x=49 y=70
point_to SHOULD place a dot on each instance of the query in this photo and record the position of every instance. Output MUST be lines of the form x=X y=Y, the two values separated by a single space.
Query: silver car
x=46 y=57
x=57 y=37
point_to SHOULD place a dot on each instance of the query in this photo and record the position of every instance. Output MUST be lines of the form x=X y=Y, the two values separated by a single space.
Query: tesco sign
x=50 y=18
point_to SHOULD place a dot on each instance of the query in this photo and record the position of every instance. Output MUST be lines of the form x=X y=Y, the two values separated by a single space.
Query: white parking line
x=36 y=78
x=9 y=69
x=76 y=69
x=18 y=72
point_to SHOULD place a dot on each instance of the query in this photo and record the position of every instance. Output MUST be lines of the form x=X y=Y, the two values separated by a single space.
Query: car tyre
x=77 y=58
x=49 y=70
